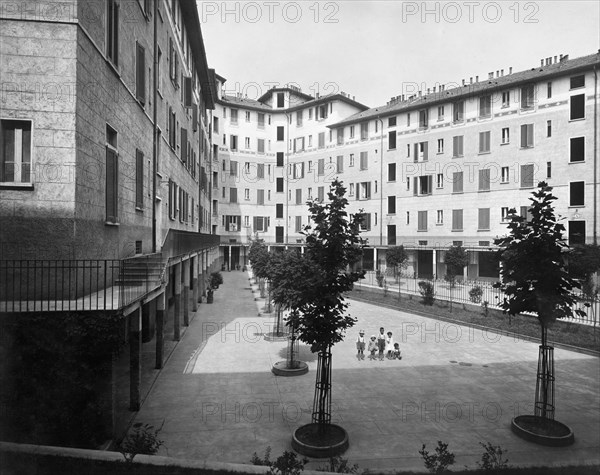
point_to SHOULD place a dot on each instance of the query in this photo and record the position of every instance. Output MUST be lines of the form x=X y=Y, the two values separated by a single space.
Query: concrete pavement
x=220 y=401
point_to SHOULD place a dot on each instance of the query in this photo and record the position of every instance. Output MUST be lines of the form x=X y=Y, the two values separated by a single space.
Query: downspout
x=287 y=177
x=595 y=155
x=381 y=190
x=154 y=127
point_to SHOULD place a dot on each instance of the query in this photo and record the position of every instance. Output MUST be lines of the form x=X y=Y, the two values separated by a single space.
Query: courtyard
x=220 y=401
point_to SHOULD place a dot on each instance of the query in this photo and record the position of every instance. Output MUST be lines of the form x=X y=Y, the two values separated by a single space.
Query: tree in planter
x=214 y=281
x=260 y=258
x=456 y=258
x=534 y=279
x=333 y=245
x=397 y=258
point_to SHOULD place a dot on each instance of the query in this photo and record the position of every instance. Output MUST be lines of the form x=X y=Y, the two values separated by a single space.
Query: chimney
x=555 y=60
x=561 y=57
x=428 y=89
x=419 y=93
x=542 y=63
x=476 y=78
x=497 y=73
x=502 y=73
x=353 y=98
x=463 y=82
x=434 y=89
x=491 y=75
x=510 y=70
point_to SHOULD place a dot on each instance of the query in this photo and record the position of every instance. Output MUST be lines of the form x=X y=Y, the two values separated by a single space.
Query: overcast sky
x=377 y=49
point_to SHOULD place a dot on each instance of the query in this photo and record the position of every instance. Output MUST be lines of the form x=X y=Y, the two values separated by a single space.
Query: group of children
x=382 y=343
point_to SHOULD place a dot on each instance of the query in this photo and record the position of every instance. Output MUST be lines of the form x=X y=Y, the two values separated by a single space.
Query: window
x=505 y=175
x=578 y=107
x=216 y=125
x=440 y=146
x=364 y=160
x=351 y=164
x=423 y=118
x=112 y=176
x=363 y=190
x=321 y=193
x=577 y=81
x=247 y=143
x=140 y=73
x=457 y=220
x=279 y=210
x=233 y=195
x=440 y=217
x=280 y=99
x=321 y=139
x=233 y=142
x=526 y=176
x=440 y=113
x=408 y=217
x=298 y=170
x=525 y=212
x=421 y=154
x=505 y=99
x=351 y=131
x=247 y=116
x=299 y=144
x=457 y=182
x=298 y=196
x=351 y=189
x=485 y=107
x=505 y=213
x=391 y=121
x=484 y=179
x=323 y=111
x=112 y=31
x=408 y=119
x=340 y=164
x=548 y=169
x=309 y=193
x=457 y=146
x=391 y=234
x=321 y=166
x=577 y=149
x=139 y=179
x=548 y=128
x=391 y=172
x=391 y=205
x=234 y=116
x=576 y=232
x=440 y=180
x=458 y=111
x=298 y=226
x=527 y=97
x=483 y=223
x=527 y=136
x=15 y=151
x=279 y=159
x=233 y=223
x=260 y=197
x=279 y=185
x=246 y=194
x=260 y=223
x=484 y=142
x=280 y=133
x=260 y=145
x=233 y=168
x=577 y=193
x=422 y=221
x=260 y=120
x=364 y=130
x=549 y=89
x=505 y=135
x=340 y=136
x=423 y=185
x=391 y=140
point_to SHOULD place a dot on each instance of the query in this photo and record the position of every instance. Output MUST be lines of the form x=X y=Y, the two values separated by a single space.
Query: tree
x=333 y=245
x=397 y=258
x=535 y=279
x=260 y=258
x=456 y=258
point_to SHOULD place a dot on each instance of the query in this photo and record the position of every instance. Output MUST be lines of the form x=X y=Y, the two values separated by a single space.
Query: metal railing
x=77 y=284
x=462 y=292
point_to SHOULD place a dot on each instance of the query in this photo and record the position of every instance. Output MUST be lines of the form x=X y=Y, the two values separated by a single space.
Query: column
x=375 y=262
x=434 y=264
x=135 y=359
x=195 y=283
x=203 y=262
x=466 y=268
x=177 y=298
x=229 y=259
x=186 y=291
x=160 y=327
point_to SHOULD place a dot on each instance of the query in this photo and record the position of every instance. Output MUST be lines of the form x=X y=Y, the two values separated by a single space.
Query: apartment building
x=438 y=168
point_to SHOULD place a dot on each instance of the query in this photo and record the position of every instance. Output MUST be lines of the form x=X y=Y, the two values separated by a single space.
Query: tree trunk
x=544 y=390
x=322 y=401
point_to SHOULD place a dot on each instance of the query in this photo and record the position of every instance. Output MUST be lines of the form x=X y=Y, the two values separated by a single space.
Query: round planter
x=280 y=369
x=272 y=336
x=209 y=297
x=309 y=442
x=542 y=431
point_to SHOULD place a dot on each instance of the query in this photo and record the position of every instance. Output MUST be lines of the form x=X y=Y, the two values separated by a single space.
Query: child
x=360 y=345
x=396 y=353
x=372 y=347
x=389 y=345
x=381 y=343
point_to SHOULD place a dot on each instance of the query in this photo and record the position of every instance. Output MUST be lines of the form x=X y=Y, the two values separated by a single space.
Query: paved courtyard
x=220 y=401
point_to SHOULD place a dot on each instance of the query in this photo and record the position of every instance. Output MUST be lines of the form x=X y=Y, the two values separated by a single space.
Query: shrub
x=380 y=278
x=491 y=460
x=142 y=440
x=286 y=464
x=486 y=311
x=215 y=280
x=256 y=460
x=338 y=465
x=475 y=294
x=427 y=292
x=440 y=461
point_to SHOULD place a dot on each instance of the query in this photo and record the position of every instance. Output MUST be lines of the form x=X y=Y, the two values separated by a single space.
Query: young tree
x=260 y=258
x=333 y=245
x=397 y=258
x=456 y=258
x=534 y=279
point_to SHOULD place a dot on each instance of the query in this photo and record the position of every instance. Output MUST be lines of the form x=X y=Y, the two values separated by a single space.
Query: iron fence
x=77 y=284
x=471 y=292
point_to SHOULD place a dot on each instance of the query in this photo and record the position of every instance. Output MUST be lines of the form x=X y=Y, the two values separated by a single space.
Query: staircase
x=140 y=275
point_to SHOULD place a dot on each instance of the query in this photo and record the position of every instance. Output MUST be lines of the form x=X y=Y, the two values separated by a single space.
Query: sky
x=374 y=50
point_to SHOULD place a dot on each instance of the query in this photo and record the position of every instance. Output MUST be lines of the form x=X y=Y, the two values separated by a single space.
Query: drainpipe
x=287 y=177
x=154 y=127
x=381 y=189
x=595 y=154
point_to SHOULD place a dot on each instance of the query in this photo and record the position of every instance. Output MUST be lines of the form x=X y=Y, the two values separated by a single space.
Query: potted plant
x=214 y=281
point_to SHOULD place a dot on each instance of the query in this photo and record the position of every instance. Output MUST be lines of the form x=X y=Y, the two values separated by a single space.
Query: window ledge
x=576 y=206
x=141 y=210
x=16 y=186
x=577 y=120
x=111 y=223
x=505 y=143
x=483 y=230
x=504 y=182
x=457 y=230
x=439 y=224
x=579 y=161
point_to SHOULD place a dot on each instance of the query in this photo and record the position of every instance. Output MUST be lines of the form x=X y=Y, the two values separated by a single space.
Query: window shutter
x=429 y=184
x=299 y=196
x=484 y=219
x=112 y=181
x=7 y=153
x=455 y=146
x=368 y=194
x=526 y=176
x=415 y=186
x=195 y=117
x=187 y=91
x=254 y=223
x=340 y=163
x=367 y=221
x=139 y=179
x=140 y=86
x=524 y=136
x=416 y=154
x=357 y=191
x=183 y=147
x=425 y=150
